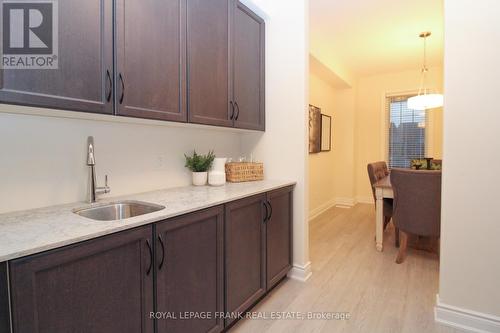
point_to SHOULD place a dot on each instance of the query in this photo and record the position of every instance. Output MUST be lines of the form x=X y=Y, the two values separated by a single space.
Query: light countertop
x=37 y=230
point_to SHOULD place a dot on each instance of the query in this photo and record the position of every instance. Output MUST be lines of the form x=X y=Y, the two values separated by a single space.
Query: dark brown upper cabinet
x=150 y=51
x=248 y=69
x=279 y=235
x=208 y=61
x=190 y=270
x=83 y=80
x=178 y=60
x=225 y=64
x=102 y=285
x=245 y=241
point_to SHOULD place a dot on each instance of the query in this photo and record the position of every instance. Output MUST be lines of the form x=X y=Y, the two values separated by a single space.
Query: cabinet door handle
x=123 y=88
x=270 y=210
x=232 y=110
x=237 y=111
x=110 y=86
x=162 y=252
x=150 y=249
x=267 y=211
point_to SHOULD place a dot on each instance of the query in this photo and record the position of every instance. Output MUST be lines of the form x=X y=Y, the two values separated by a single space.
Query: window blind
x=406 y=132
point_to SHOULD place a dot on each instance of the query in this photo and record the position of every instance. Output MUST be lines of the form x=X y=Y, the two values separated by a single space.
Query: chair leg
x=402 y=248
x=396 y=236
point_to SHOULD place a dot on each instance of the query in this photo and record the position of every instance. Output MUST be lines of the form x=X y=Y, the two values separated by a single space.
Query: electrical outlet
x=159 y=162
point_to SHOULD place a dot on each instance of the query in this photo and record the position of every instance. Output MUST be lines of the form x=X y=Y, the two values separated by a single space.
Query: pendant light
x=424 y=100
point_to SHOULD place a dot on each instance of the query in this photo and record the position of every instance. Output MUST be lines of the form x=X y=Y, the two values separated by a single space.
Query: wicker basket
x=237 y=172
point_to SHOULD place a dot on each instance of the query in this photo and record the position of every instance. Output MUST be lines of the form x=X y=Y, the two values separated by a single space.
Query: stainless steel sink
x=118 y=210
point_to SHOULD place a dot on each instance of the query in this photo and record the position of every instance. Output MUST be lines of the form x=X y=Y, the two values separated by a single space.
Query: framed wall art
x=314 y=129
x=326 y=132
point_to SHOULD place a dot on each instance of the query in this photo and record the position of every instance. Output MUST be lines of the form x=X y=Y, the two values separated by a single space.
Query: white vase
x=217 y=175
x=200 y=178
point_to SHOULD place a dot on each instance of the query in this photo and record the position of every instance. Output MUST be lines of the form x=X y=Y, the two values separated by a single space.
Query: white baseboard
x=365 y=200
x=321 y=209
x=300 y=273
x=464 y=319
x=345 y=202
x=340 y=202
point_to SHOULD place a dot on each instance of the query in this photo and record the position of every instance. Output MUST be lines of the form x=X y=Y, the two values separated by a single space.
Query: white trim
x=300 y=272
x=339 y=202
x=464 y=319
x=399 y=93
x=365 y=200
x=384 y=124
x=345 y=202
x=429 y=133
x=321 y=209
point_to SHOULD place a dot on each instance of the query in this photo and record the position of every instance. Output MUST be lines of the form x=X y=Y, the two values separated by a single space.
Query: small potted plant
x=199 y=165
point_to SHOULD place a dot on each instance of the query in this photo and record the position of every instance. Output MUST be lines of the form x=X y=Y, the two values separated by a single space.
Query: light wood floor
x=349 y=275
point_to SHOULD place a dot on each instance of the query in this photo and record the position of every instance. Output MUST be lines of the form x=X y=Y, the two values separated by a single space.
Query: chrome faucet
x=93 y=189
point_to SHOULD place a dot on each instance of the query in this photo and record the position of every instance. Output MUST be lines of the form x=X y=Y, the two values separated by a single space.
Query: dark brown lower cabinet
x=279 y=235
x=4 y=298
x=193 y=270
x=245 y=240
x=102 y=285
x=190 y=272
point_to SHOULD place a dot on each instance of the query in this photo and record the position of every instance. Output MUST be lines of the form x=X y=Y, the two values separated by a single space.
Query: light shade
x=424 y=102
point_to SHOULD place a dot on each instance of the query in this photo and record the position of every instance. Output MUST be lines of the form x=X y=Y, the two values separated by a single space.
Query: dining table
x=383 y=190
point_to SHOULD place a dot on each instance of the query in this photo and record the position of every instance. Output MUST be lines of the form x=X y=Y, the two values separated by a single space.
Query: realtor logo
x=30 y=34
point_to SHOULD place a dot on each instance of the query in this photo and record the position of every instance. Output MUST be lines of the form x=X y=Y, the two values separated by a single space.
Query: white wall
x=331 y=174
x=283 y=146
x=470 y=226
x=43 y=159
x=322 y=167
x=344 y=120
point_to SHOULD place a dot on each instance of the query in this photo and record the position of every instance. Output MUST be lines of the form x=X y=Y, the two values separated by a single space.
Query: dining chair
x=376 y=172
x=417 y=205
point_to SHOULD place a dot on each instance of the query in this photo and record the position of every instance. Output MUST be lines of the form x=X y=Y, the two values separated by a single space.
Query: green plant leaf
x=199 y=163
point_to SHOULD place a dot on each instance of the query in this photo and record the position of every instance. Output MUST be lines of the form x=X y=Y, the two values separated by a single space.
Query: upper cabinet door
x=150 y=50
x=84 y=50
x=248 y=68
x=208 y=60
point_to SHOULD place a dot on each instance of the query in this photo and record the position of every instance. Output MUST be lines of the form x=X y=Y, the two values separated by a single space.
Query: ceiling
x=365 y=37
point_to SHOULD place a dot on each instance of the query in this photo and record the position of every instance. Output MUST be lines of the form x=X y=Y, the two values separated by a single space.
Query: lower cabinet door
x=245 y=254
x=101 y=285
x=190 y=272
x=279 y=235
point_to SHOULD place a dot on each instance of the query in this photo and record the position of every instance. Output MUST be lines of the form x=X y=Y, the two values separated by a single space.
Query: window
x=406 y=132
